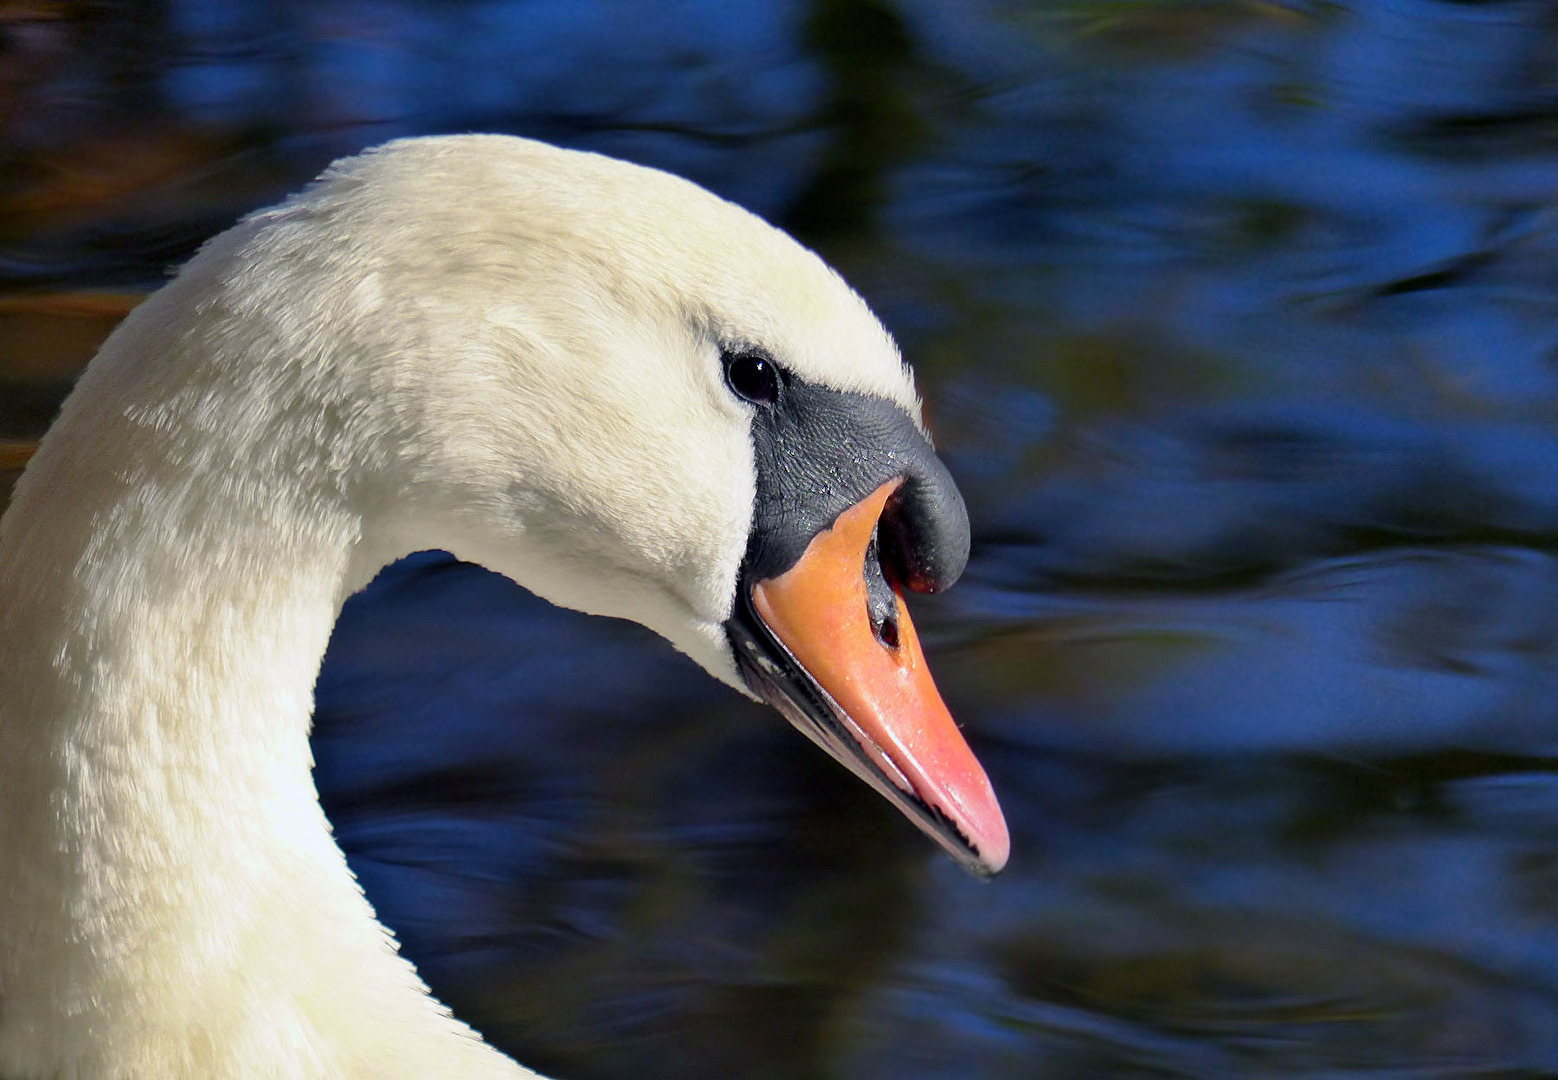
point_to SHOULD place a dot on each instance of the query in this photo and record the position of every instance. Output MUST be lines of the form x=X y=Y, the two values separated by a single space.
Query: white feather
x=478 y=343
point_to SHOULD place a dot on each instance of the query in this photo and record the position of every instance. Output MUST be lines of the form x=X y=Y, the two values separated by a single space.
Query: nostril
x=887 y=633
x=881 y=601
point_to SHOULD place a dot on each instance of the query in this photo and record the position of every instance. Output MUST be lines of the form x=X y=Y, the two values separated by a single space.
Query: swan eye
x=752 y=376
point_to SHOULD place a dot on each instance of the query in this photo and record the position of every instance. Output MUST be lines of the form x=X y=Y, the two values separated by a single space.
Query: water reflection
x=1237 y=325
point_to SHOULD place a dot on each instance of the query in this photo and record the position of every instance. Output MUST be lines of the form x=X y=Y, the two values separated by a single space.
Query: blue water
x=1237 y=323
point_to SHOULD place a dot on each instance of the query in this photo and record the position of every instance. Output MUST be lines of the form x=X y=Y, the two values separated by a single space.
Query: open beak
x=833 y=649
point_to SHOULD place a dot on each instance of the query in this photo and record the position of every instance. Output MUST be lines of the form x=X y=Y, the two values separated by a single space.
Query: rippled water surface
x=1238 y=324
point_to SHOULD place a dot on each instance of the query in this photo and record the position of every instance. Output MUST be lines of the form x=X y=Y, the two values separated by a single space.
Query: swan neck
x=175 y=905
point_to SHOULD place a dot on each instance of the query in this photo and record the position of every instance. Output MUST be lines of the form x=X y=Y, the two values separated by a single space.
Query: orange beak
x=877 y=710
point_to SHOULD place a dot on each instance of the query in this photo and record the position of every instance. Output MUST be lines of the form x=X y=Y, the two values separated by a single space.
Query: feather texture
x=476 y=343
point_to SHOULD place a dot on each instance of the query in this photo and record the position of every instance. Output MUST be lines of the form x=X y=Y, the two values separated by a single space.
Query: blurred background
x=1238 y=324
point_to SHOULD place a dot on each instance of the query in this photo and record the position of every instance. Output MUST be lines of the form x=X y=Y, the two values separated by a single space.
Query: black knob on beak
x=924 y=533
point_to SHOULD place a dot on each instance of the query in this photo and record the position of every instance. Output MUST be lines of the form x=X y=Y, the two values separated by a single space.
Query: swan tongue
x=889 y=724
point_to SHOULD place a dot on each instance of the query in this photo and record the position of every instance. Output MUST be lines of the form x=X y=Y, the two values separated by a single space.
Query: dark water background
x=1239 y=326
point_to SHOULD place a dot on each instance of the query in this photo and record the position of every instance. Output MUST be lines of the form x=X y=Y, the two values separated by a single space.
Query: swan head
x=636 y=400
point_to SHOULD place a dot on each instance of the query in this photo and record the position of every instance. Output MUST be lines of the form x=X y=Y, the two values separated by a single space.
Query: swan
x=626 y=394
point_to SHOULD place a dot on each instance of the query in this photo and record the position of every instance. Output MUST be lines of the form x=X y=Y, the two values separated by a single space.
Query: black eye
x=752 y=376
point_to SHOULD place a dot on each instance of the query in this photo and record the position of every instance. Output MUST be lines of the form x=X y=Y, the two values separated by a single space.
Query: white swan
x=627 y=395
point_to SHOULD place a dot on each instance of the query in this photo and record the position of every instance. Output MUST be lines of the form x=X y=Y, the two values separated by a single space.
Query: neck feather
x=173 y=903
